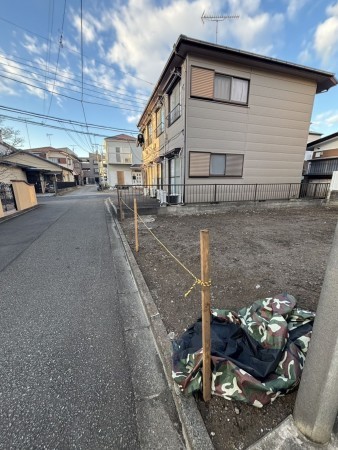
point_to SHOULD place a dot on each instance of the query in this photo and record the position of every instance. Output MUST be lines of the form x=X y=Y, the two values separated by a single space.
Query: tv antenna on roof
x=217 y=18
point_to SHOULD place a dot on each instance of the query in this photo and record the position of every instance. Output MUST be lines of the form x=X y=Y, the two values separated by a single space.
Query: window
x=205 y=83
x=174 y=104
x=118 y=154
x=203 y=164
x=159 y=121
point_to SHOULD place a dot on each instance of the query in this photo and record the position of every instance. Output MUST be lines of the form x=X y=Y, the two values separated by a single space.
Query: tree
x=10 y=136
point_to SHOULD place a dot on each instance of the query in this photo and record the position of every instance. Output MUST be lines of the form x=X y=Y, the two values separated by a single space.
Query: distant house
x=62 y=156
x=33 y=169
x=324 y=160
x=123 y=159
x=313 y=136
x=223 y=116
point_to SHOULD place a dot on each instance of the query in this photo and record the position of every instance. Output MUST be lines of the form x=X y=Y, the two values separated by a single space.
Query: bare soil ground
x=253 y=254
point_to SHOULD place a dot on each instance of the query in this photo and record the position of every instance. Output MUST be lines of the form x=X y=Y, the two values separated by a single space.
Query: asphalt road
x=65 y=378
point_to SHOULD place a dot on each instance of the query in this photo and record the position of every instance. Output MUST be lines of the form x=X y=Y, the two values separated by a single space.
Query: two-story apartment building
x=218 y=115
x=123 y=159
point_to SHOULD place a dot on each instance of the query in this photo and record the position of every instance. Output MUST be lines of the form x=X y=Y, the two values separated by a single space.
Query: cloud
x=326 y=36
x=326 y=119
x=33 y=46
x=145 y=32
x=294 y=7
x=91 y=26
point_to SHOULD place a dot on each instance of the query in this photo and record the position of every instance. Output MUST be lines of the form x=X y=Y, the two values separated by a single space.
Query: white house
x=123 y=160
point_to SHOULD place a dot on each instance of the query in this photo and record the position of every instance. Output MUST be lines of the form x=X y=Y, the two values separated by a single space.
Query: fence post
x=256 y=192
x=289 y=192
x=204 y=240
x=136 y=226
x=119 y=196
x=215 y=194
x=315 y=192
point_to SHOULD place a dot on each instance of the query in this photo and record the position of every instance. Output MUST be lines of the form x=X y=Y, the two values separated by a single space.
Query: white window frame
x=174 y=104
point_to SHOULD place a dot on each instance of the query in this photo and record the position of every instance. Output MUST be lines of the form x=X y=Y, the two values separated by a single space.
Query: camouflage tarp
x=257 y=353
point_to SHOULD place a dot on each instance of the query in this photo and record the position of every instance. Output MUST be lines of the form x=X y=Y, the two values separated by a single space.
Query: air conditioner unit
x=163 y=197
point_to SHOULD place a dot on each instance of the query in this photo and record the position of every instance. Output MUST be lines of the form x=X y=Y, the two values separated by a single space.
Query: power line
x=24 y=29
x=50 y=31
x=59 y=119
x=64 y=85
x=41 y=124
x=75 y=51
x=83 y=110
x=69 y=97
x=58 y=57
x=97 y=90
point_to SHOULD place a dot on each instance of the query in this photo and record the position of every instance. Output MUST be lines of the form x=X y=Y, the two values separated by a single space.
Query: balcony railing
x=159 y=129
x=122 y=158
x=323 y=167
x=174 y=114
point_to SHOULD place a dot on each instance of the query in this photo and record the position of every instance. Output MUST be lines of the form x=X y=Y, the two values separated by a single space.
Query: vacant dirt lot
x=253 y=254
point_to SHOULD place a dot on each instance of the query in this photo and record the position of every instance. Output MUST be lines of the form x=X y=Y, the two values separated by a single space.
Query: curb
x=194 y=430
x=18 y=213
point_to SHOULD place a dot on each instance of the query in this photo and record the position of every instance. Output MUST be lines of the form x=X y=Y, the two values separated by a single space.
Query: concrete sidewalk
x=194 y=430
x=284 y=437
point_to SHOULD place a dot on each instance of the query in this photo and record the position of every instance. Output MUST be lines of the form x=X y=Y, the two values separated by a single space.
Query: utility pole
x=217 y=18
x=316 y=405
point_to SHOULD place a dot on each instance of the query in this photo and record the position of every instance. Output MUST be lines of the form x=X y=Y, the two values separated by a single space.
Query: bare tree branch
x=10 y=135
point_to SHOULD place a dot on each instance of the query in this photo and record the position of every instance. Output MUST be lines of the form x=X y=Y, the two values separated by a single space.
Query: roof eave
x=184 y=45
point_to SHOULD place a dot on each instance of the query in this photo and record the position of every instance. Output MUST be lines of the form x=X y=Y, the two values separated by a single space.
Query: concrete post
x=316 y=405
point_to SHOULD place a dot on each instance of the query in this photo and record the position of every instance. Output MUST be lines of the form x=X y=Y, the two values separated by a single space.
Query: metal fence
x=149 y=198
x=65 y=184
x=7 y=197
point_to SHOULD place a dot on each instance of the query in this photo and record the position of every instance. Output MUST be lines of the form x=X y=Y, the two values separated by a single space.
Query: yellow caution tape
x=197 y=281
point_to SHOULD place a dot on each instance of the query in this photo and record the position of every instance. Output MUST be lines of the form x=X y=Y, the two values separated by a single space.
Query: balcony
x=324 y=167
x=122 y=158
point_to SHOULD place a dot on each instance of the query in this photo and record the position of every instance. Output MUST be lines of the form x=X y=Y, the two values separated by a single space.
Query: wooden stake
x=136 y=226
x=120 y=205
x=205 y=276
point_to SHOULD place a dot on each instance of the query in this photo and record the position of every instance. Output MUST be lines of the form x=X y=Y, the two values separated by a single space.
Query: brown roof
x=40 y=150
x=207 y=50
x=122 y=137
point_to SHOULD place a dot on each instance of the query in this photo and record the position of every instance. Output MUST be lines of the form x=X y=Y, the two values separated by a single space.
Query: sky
x=76 y=71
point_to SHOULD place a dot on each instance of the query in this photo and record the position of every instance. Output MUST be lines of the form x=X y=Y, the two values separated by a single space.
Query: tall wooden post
x=205 y=276
x=119 y=196
x=136 y=226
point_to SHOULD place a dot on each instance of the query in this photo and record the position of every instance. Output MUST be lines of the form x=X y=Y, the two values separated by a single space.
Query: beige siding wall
x=271 y=131
x=8 y=173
